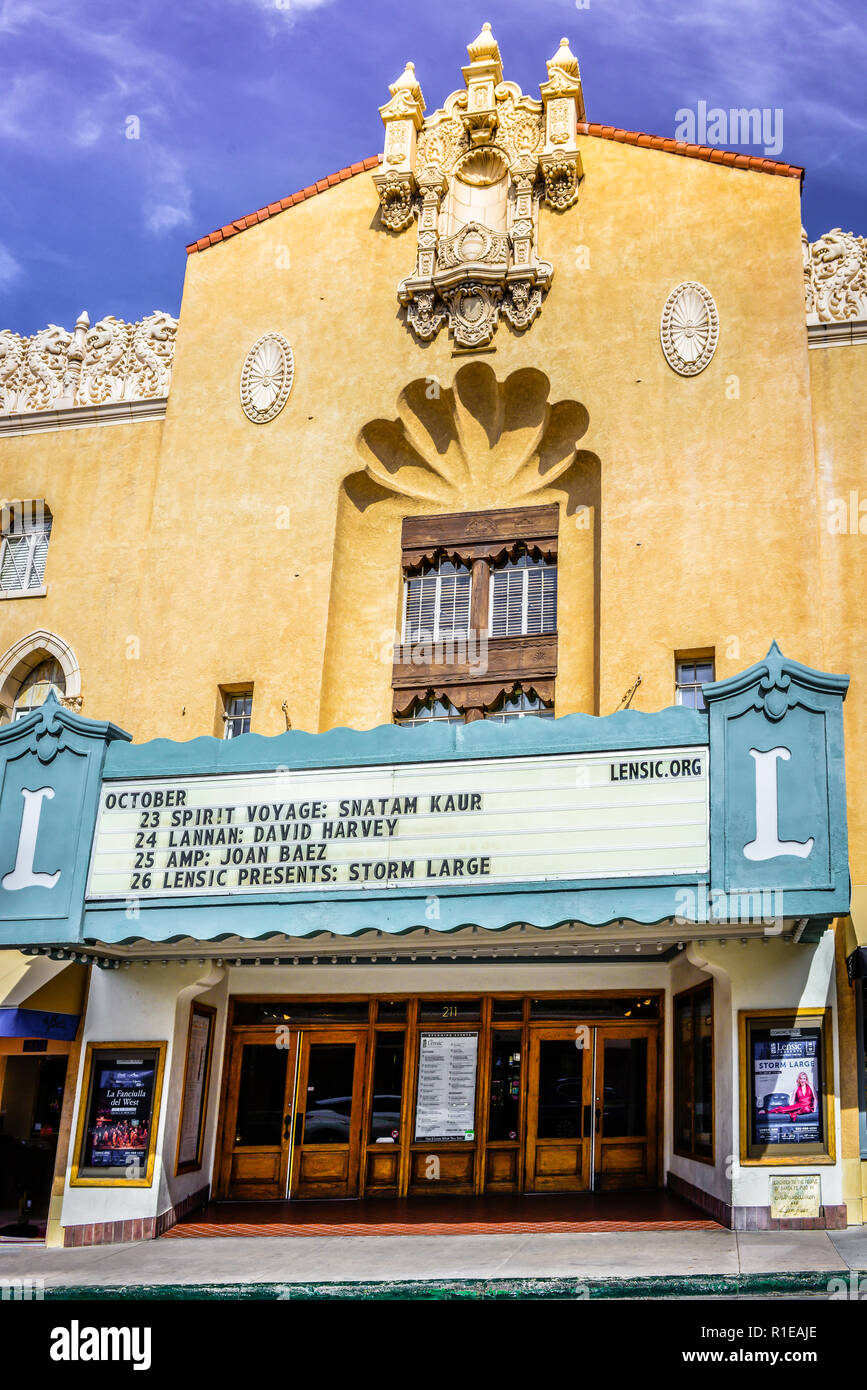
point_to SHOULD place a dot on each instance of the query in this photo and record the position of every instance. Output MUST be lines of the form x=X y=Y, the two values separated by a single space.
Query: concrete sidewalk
x=731 y=1258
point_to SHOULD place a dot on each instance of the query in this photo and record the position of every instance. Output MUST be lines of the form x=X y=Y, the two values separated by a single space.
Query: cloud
x=10 y=269
x=168 y=196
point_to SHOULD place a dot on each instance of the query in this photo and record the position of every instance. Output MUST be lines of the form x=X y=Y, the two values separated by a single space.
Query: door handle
x=287 y=1125
x=299 y=1127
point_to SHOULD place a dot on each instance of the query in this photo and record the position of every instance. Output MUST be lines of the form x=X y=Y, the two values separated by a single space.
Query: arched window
x=34 y=689
x=34 y=664
x=431 y=711
x=520 y=704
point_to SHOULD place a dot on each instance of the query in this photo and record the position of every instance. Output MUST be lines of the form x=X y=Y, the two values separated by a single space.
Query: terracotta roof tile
x=262 y=214
x=732 y=158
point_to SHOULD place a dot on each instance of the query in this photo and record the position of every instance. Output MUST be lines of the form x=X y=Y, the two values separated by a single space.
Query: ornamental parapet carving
x=475 y=173
x=562 y=174
x=396 y=201
x=835 y=277
x=107 y=363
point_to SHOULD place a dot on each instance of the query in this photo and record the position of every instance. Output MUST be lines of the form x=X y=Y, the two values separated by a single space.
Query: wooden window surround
x=694 y=1073
x=475 y=678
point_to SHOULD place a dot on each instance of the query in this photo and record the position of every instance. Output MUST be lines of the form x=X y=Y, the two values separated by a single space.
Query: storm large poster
x=786 y=1085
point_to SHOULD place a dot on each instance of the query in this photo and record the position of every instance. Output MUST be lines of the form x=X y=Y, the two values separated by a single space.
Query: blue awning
x=35 y=1023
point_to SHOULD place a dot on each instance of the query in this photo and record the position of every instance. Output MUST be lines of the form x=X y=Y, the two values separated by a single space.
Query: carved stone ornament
x=475 y=172
x=689 y=328
x=835 y=277
x=110 y=362
x=562 y=174
x=473 y=243
x=396 y=202
x=266 y=378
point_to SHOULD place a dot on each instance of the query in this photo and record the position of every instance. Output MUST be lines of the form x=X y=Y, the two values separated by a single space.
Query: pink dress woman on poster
x=803 y=1101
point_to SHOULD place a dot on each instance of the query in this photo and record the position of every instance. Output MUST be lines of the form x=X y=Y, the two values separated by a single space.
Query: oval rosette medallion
x=266 y=378
x=689 y=328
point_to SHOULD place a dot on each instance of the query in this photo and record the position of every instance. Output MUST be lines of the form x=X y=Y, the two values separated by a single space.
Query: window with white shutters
x=26 y=527
x=437 y=604
x=523 y=598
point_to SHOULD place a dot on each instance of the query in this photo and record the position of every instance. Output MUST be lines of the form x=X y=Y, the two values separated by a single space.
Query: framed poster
x=194 y=1094
x=787 y=1111
x=446 y=1099
x=118 y=1115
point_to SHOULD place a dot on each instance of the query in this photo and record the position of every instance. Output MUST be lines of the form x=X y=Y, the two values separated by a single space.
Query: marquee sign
x=579 y=819
x=497 y=820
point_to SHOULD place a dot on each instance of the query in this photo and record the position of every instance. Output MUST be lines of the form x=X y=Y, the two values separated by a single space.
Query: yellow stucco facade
x=179 y=531
x=202 y=550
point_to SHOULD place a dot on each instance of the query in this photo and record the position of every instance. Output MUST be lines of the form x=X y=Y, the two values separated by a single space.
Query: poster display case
x=118 y=1115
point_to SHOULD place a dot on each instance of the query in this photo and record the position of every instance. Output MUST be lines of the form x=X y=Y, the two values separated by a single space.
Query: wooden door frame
x=552 y=1031
x=655 y=1119
x=236 y=1040
x=411 y=1027
x=308 y=1036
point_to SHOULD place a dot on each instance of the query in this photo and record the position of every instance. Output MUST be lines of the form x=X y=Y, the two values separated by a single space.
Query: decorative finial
x=564 y=60
x=408 y=83
x=484 y=47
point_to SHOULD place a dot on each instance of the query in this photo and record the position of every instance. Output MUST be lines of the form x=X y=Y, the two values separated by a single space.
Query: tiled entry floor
x=584 y=1213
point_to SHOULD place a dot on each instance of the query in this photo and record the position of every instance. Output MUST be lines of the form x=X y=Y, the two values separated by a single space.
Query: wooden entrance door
x=329 y=1104
x=258 y=1115
x=559 y=1118
x=626 y=1110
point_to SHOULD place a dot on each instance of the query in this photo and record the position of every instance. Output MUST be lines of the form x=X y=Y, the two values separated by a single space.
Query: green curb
x=655 y=1286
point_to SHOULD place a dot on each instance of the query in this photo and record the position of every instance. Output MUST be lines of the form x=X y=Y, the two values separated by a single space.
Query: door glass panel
x=450 y=1010
x=624 y=1097
x=505 y=1086
x=561 y=1066
x=683 y=1058
x=634 y=1007
x=704 y=1075
x=387 y=1088
x=508 y=1008
x=262 y=1013
x=392 y=1011
x=260 y=1094
x=329 y=1093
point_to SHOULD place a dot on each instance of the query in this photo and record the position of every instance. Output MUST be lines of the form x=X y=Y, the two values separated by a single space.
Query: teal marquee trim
x=260 y=917
x=778 y=684
x=391 y=743
x=51 y=727
x=778 y=785
x=777 y=719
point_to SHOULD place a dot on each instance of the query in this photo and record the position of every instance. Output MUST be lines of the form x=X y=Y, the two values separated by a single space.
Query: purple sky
x=241 y=102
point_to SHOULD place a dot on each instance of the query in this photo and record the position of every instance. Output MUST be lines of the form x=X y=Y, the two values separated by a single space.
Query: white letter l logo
x=23 y=876
x=767 y=844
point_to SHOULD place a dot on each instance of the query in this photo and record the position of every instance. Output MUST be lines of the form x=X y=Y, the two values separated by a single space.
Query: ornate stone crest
x=474 y=173
x=835 y=277
x=266 y=378
x=110 y=362
x=689 y=328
